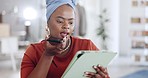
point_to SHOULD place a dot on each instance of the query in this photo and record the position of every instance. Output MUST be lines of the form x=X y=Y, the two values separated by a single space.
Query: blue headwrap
x=52 y=5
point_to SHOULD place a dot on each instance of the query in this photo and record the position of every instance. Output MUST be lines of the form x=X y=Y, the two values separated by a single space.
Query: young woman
x=50 y=57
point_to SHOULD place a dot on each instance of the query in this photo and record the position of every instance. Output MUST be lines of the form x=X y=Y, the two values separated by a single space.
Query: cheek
x=71 y=30
x=54 y=29
x=54 y=25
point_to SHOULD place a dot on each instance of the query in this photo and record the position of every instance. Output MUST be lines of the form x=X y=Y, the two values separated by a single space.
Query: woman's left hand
x=101 y=72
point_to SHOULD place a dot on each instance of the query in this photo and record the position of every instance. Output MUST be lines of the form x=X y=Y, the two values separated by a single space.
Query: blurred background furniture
x=8 y=45
x=8 y=48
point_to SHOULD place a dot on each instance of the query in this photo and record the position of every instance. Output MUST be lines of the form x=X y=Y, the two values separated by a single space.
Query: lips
x=64 y=34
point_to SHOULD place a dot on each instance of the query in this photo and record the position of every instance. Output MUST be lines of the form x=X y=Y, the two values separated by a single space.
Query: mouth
x=64 y=34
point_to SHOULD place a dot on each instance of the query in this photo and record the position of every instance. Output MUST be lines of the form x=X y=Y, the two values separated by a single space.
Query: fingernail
x=99 y=65
x=85 y=72
x=94 y=66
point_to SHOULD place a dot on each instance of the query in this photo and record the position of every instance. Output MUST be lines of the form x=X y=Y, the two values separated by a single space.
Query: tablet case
x=84 y=60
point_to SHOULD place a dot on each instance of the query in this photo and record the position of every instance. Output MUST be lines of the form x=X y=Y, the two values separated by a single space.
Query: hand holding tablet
x=84 y=60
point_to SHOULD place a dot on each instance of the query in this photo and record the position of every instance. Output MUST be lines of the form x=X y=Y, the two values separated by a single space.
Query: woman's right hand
x=53 y=49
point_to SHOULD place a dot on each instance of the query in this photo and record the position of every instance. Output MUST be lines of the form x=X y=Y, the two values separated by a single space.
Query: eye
x=71 y=23
x=59 y=21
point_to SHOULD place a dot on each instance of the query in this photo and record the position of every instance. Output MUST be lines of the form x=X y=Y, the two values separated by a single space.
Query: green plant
x=101 y=30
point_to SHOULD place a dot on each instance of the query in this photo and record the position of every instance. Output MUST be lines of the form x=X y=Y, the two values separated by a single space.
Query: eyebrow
x=65 y=18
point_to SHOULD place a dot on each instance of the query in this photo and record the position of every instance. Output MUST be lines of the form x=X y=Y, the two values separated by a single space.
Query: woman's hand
x=53 y=48
x=101 y=72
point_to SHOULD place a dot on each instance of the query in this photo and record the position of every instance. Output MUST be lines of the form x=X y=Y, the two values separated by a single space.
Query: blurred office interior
x=125 y=24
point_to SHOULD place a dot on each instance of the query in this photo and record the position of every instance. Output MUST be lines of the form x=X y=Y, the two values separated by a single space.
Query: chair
x=8 y=47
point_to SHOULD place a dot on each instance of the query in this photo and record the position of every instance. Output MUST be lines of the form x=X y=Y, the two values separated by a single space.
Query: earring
x=46 y=28
x=47 y=32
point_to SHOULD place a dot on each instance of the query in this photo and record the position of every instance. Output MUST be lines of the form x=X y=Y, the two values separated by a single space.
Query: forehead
x=65 y=11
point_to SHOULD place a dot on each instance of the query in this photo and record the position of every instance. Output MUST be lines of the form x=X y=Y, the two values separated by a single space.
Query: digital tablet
x=84 y=60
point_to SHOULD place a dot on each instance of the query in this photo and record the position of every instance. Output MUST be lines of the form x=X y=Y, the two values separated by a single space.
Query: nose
x=65 y=25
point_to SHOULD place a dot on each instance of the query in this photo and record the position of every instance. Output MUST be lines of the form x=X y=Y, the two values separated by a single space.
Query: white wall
x=114 y=25
x=112 y=7
x=124 y=26
x=126 y=12
x=93 y=10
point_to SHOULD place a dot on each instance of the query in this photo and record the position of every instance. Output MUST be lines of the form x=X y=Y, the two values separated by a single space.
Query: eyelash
x=71 y=23
x=59 y=21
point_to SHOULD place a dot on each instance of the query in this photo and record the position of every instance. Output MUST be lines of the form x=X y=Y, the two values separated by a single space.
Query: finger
x=92 y=75
x=59 y=49
x=104 y=70
x=51 y=48
x=99 y=71
x=97 y=76
x=101 y=67
x=89 y=74
x=97 y=68
x=48 y=45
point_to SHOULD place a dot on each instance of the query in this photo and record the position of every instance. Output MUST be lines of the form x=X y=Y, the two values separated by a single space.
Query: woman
x=50 y=57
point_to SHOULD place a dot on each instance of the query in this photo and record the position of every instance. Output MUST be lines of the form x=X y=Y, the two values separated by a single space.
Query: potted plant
x=102 y=29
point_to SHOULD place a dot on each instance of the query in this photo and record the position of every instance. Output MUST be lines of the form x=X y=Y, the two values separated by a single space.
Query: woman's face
x=61 y=22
